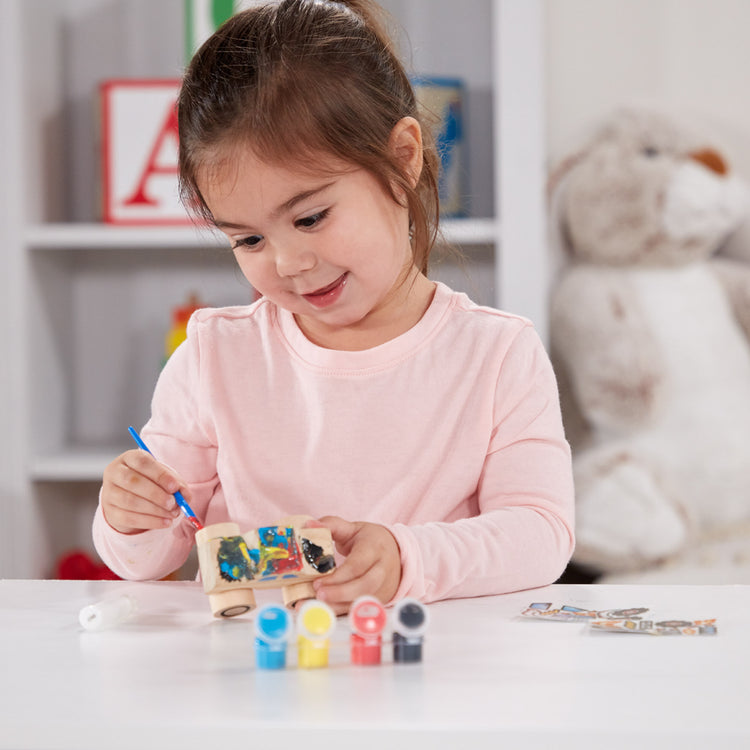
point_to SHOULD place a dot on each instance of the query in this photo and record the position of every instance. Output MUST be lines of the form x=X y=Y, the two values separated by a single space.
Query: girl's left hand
x=372 y=565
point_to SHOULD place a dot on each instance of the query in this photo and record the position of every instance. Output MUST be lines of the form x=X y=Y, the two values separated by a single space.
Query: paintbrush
x=184 y=507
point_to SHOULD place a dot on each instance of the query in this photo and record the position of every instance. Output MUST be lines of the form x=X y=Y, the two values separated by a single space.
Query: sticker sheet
x=657 y=627
x=626 y=620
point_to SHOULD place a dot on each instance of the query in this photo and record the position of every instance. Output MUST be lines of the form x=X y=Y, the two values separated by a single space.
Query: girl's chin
x=334 y=331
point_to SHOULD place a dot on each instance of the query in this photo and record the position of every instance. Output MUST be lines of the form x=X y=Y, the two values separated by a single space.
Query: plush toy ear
x=560 y=251
x=561 y=170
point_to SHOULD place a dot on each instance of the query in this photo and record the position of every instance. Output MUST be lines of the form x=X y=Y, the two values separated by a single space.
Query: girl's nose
x=294 y=261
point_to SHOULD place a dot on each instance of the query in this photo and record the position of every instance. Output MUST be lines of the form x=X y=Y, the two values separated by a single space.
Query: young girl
x=422 y=429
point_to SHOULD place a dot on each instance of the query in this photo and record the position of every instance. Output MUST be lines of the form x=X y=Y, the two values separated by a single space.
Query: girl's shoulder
x=232 y=319
x=483 y=318
x=217 y=332
x=480 y=333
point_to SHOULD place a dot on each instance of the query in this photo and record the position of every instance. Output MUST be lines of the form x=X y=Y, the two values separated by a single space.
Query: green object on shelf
x=221 y=10
x=203 y=17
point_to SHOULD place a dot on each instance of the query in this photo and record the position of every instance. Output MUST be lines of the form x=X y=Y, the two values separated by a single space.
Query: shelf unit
x=79 y=236
x=87 y=304
x=61 y=244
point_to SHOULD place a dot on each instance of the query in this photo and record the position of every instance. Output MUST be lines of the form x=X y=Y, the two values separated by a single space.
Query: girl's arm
x=523 y=536
x=176 y=439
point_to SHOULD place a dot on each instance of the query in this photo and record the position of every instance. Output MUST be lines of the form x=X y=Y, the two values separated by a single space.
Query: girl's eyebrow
x=283 y=208
x=294 y=200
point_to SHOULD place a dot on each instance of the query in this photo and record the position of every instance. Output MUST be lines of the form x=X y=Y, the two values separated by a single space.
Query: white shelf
x=81 y=236
x=85 y=236
x=74 y=464
x=471 y=231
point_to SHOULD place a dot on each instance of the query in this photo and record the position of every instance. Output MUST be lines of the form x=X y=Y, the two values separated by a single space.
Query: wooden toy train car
x=287 y=556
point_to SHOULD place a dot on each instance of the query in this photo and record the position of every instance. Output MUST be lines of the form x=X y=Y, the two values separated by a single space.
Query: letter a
x=168 y=129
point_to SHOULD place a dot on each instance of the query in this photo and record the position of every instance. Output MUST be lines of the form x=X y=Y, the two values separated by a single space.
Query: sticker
x=661 y=627
x=569 y=613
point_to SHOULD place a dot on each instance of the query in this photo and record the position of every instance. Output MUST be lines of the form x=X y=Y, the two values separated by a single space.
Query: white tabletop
x=174 y=677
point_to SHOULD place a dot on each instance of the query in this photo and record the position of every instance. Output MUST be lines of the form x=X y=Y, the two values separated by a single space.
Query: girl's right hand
x=137 y=493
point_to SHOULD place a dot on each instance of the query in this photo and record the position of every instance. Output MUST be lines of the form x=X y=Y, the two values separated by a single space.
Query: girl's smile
x=328 y=295
x=332 y=247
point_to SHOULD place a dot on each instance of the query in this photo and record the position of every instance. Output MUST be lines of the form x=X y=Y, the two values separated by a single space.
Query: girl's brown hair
x=299 y=78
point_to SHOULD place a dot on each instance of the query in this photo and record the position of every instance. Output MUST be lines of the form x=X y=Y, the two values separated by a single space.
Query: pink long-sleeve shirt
x=450 y=435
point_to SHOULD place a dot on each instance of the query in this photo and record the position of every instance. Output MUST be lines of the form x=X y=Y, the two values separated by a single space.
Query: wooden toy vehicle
x=286 y=556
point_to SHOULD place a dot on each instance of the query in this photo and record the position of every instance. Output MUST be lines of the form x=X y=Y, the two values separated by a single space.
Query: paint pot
x=316 y=622
x=367 y=619
x=410 y=619
x=273 y=628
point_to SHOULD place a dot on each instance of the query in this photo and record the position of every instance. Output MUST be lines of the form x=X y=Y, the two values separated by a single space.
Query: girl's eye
x=252 y=241
x=311 y=221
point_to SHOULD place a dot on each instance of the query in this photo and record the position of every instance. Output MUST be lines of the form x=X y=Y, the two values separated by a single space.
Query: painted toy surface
x=287 y=556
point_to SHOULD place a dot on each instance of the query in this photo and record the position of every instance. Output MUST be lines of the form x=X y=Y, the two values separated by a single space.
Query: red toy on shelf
x=78 y=565
x=180 y=317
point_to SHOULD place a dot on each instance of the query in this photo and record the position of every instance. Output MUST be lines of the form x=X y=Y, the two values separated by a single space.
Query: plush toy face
x=646 y=192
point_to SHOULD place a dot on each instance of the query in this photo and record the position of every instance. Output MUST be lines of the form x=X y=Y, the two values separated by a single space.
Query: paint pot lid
x=367 y=616
x=410 y=618
x=273 y=623
x=316 y=620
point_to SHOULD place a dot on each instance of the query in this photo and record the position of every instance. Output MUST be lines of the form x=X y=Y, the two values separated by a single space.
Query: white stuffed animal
x=649 y=334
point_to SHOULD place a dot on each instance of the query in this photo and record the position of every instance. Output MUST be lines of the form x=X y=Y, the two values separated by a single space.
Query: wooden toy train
x=287 y=556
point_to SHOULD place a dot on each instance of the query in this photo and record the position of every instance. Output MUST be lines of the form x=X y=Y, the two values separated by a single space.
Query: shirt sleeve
x=523 y=536
x=179 y=436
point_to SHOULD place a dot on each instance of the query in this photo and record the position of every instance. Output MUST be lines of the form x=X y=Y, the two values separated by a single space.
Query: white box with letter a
x=139 y=152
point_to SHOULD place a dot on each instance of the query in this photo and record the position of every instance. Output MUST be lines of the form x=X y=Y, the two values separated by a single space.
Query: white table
x=173 y=677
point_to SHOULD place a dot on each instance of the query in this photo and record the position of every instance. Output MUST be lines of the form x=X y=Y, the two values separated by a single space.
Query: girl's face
x=332 y=248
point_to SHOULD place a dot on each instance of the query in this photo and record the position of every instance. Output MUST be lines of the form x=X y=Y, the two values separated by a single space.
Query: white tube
x=107 y=613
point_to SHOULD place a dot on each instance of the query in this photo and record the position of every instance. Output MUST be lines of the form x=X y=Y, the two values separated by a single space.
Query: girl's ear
x=405 y=143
